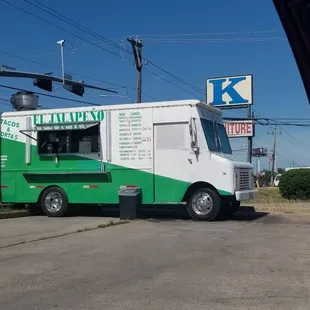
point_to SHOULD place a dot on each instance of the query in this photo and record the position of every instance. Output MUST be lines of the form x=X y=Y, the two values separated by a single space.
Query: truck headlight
x=235 y=179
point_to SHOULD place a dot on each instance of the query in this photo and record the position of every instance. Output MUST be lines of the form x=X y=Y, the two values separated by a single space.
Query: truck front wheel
x=204 y=205
x=54 y=202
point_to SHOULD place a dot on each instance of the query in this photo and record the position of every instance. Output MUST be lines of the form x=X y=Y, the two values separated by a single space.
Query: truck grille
x=244 y=179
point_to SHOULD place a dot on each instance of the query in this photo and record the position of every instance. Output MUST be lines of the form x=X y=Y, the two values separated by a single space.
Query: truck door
x=295 y=17
x=171 y=165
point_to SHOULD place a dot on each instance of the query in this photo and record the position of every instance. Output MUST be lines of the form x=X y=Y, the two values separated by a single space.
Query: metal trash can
x=129 y=203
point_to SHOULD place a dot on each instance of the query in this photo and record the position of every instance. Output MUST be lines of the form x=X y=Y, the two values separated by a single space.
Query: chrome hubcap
x=202 y=203
x=53 y=202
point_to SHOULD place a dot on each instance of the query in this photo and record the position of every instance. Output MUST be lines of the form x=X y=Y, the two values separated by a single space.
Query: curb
x=12 y=215
x=268 y=209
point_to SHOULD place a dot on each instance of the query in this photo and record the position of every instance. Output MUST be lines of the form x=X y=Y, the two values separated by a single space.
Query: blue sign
x=232 y=90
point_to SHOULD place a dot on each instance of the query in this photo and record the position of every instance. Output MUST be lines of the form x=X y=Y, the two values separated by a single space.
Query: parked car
x=277 y=180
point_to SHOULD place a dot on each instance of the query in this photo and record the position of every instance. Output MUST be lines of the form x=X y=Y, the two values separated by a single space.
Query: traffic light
x=43 y=84
x=75 y=89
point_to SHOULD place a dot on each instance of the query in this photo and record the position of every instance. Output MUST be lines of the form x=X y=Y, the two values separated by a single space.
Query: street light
x=61 y=43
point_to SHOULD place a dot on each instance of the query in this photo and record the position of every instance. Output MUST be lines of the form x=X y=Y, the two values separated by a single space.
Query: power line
x=54 y=68
x=177 y=78
x=232 y=40
x=211 y=34
x=58 y=27
x=290 y=118
x=73 y=23
x=31 y=14
x=151 y=97
x=51 y=96
x=106 y=40
x=286 y=158
x=284 y=151
x=175 y=85
x=48 y=52
x=4 y=101
x=269 y=122
x=73 y=73
x=296 y=140
x=81 y=27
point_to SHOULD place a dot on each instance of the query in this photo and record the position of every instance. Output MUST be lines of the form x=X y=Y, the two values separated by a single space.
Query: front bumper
x=246 y=195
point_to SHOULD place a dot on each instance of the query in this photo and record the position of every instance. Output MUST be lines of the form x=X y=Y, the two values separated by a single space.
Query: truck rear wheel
x=204 y=205
x=54 y=202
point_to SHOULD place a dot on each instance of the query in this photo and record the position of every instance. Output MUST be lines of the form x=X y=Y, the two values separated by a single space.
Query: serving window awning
x=58 y=127
x=62 y=126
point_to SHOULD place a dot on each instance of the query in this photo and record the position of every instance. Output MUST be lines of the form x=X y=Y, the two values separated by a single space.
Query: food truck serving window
x=69 y=140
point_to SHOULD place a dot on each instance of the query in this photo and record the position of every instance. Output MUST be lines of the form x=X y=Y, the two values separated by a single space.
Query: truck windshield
x=216 y=137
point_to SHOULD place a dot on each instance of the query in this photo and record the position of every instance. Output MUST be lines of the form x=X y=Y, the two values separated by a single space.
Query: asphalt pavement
x=250 y=262
x=32 y=228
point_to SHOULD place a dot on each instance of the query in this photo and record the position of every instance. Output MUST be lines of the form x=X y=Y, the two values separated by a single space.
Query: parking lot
x=251 y=262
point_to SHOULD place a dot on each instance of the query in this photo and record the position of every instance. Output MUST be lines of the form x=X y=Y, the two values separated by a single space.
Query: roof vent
x=25 y=101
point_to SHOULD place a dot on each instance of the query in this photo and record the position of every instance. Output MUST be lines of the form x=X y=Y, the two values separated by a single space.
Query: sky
x=193 y=40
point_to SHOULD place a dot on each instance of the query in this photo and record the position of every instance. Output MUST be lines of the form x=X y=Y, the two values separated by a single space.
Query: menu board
x=134 y=141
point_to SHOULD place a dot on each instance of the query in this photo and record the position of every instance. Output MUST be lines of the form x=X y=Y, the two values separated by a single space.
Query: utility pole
x=273 y=156
x=137 y=53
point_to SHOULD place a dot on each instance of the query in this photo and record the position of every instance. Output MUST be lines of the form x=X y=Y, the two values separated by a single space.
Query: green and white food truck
x=177 y=152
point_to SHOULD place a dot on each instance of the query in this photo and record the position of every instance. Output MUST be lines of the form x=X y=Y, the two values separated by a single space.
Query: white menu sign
x=133 y=136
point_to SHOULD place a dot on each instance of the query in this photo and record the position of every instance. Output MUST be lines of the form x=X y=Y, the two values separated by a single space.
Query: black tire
x=54 y=202
x=208 y=212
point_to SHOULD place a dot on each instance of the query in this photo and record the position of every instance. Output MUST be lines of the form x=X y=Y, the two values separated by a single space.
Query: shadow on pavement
x=161 y=213
x=242 y=216
x=147 y=212
x=248 y=213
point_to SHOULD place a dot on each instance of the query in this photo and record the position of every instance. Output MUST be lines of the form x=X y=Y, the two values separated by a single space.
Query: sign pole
x=250 y=139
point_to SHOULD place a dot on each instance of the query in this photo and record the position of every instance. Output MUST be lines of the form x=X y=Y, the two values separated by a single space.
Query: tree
x=265 y=179
x=294 y=184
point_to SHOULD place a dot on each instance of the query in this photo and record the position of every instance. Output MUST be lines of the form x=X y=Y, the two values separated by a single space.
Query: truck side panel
x=128 y=157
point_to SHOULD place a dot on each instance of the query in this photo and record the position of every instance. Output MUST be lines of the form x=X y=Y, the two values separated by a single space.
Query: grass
x=270 y=194
x=10 y=209
x=267 y=195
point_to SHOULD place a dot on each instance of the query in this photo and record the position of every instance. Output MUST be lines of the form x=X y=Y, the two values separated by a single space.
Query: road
x=29 y=229
x=164 y=264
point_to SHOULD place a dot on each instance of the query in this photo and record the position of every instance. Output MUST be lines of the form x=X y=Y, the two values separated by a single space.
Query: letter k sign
x=219 y=91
